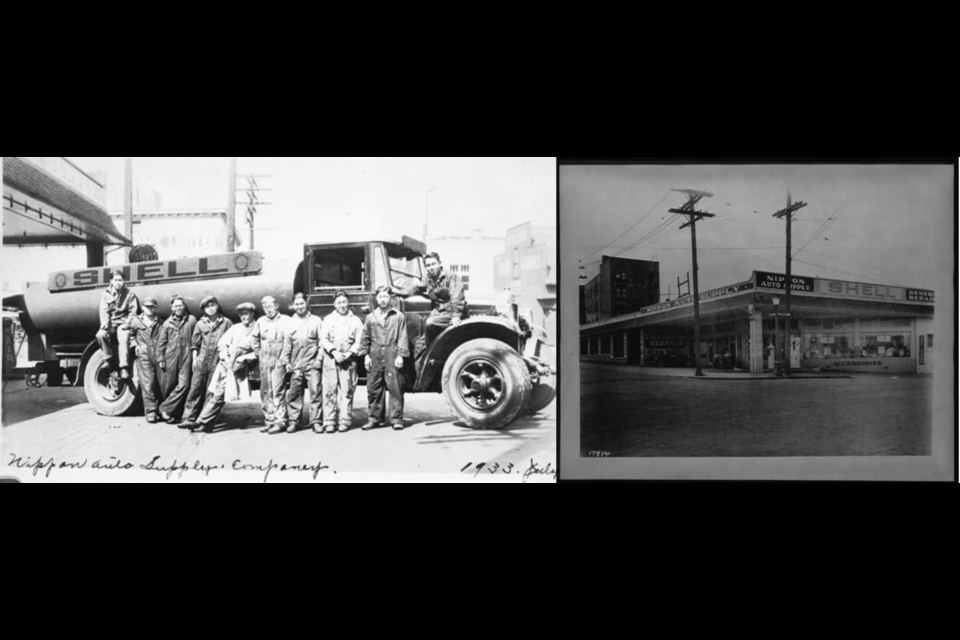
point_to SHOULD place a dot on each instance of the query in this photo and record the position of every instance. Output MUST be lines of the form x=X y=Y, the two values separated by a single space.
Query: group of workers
x=188 y=368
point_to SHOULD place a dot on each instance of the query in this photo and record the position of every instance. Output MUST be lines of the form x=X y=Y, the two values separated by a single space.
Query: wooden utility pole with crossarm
x=693 y=197
x=788 y=213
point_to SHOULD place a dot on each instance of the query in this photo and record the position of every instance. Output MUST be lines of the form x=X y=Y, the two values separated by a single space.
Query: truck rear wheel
x=109 y=395
x=486 y=382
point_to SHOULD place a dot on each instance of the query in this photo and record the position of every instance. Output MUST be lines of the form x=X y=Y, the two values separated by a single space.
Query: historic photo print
x=788 y=320
x=270 y=319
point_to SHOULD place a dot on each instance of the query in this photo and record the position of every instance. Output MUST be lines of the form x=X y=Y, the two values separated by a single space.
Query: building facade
x=834 y=325
x=528 y=268
x=622 y=286
x=472 y=258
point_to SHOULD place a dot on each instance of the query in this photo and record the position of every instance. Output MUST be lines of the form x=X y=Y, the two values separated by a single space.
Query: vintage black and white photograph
x=758 y=320
x=279 y=319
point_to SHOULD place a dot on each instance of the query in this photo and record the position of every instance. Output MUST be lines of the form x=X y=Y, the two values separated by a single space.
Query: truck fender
x=495 y=327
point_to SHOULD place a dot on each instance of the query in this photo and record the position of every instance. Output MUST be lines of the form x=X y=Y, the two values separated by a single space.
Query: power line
x=628 y=230
x=823 y=227
x=650 y=236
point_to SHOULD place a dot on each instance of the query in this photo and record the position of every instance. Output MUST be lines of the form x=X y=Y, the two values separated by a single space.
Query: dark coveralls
x=447 y=302
x=116 y=309
x=173 y=350
x=147 y=339
x=205 y=338
x=383 y=340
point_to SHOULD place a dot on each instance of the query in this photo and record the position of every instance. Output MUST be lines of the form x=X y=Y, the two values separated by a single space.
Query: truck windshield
x=405 y=267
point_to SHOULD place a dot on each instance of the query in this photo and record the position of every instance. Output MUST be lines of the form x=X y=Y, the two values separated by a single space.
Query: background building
x=54 y=218
x=528 y=268
x=177 y=233
x=471 y=257
x=622 y=286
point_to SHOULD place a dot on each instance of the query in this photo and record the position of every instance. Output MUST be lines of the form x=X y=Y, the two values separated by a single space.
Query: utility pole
x=788 y=215
x=232 y=206
x=693 y=197
x=253 y=200
x=127 y=204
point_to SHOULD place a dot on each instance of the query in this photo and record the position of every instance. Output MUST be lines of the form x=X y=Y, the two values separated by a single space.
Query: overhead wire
x=647 y=214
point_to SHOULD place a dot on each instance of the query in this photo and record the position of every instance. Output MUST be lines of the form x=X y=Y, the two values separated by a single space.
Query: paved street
x=46 y=424
x=627 y=411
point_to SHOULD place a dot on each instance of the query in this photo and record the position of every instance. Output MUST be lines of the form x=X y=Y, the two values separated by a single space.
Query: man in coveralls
x=210 y=328
x=173 y=354
x=342 y=331
x=386 y=344
x=302 y=358
x=117 y=305
x=447 y=300
x=145 y=329
x=274 y=329
x=237 y=350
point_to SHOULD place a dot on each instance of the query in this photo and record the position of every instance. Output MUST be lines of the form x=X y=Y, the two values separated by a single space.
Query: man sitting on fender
x=445 y=291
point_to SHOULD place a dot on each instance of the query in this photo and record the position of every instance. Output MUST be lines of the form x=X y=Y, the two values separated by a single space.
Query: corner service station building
x=834 y=325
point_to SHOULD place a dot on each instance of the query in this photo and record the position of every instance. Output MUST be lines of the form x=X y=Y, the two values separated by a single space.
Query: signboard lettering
x=708 y=295
x=768 y=280
x=228 y=264
x=919 y=295
x=860 y=290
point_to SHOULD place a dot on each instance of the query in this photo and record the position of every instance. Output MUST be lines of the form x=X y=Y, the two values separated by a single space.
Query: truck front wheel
x=486 y=382
x=109 y=395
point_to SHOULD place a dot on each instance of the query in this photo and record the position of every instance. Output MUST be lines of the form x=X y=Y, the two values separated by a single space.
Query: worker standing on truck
x=385 y=344
x=447 y=300
x=117 y=305
x=237 y=350
x=174 y=359
x=210 y=328
x=302 y=358
x=145 y=329
x=274 y=328
x=342 y=331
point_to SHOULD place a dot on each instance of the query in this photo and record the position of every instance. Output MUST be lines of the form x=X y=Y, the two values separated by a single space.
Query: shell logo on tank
x=207 y=267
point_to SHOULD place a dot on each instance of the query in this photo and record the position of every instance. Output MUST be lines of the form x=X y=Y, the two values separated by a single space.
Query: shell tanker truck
x=489 y=367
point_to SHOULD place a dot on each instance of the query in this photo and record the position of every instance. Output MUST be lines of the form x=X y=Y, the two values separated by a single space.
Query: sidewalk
x=714 y=374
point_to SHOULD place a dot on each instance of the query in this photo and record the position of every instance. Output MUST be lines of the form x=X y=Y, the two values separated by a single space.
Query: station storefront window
x=832 y=345
x=885 y=345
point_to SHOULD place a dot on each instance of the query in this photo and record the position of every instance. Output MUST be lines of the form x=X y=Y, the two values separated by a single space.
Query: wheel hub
x=481 y=385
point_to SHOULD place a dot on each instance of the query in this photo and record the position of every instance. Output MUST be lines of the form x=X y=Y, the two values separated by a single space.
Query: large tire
x=104 y=399
x=541 y=395
x=486 y=382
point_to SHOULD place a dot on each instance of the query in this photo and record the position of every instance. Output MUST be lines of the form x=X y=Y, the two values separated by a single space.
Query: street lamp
x=776 y=335
x=426 y=215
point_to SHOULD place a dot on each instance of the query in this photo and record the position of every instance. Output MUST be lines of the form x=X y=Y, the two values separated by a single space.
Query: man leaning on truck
x=117 y=305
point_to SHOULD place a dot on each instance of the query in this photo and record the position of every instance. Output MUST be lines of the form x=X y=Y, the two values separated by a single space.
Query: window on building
x=464 y=268
x=618 y=345
x=454 y=268
x=929 y=339
x=583 y=348
x=885 y=345
x=604 y=345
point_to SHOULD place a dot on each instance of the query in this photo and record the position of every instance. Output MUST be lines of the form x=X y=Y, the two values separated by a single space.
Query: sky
x=325 y=199
x=893 y=224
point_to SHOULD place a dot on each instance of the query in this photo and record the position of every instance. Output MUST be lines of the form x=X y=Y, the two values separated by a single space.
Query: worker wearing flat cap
x=237 y=350
x=210 y=328
x=145 y=330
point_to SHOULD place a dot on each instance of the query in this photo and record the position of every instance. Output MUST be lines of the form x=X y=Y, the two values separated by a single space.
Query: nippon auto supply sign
x=766 y=280
x=704 y=297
